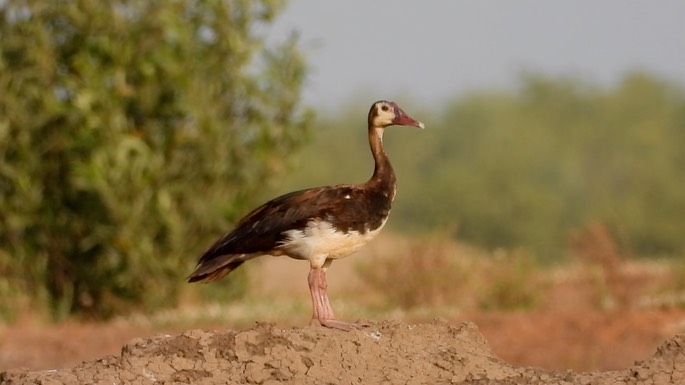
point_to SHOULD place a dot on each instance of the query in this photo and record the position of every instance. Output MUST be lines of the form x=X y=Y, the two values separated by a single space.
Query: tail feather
x=217 y=268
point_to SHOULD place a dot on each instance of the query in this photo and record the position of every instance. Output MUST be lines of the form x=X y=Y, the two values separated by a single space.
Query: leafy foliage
x=129 y=132
x=529 y=167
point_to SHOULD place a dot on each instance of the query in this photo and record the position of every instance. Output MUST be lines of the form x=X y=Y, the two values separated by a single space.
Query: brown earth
x=390 y=352
x=582 y=341
x=567 y=339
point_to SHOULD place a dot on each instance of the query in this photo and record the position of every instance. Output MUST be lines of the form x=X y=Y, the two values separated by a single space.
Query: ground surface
x=391 y=352
x=582 y=341
x=568 y=339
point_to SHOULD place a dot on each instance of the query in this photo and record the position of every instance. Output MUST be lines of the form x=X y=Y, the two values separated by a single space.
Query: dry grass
x=436 y=272
x=617 y=281
x=430 y=272
x=422 y=278
x=512 y=280
x=597 y=250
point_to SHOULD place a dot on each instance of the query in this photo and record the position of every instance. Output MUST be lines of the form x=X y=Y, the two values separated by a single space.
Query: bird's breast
x=320 y=240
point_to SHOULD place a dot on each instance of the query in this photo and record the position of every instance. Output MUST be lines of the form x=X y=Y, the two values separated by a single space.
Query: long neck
x=383 y=173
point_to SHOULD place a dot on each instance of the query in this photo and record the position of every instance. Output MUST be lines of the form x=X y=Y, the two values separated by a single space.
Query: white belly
x=320 y=241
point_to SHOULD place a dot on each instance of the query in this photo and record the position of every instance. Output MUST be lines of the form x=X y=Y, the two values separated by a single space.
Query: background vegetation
x=134 y=132
x=528 y=168
x=131 y=133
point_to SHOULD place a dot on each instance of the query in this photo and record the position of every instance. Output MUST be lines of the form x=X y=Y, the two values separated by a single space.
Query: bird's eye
x=384 y=108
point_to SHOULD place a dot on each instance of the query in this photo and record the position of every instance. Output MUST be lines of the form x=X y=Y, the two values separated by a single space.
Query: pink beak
x=402 y=119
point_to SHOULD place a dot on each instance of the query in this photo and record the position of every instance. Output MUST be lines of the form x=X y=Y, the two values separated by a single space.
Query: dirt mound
x=384 y=352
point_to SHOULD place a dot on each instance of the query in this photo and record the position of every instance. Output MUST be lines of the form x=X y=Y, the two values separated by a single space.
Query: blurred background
x=547 y=192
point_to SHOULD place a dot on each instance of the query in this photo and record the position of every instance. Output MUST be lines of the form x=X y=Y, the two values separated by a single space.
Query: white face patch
x=320 y=241
x=384 y=118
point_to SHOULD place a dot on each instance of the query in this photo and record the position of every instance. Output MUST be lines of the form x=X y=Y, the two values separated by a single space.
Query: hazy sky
x=432 y=49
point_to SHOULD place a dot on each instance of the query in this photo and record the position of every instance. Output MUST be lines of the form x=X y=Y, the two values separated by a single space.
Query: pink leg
x=313 y=281
x=323 y=312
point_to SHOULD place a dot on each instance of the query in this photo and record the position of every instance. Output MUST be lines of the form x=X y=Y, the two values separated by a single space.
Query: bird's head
x=384 y=113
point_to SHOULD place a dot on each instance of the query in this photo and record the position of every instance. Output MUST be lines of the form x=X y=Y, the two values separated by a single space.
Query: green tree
x=130 y=132
x=527 y=168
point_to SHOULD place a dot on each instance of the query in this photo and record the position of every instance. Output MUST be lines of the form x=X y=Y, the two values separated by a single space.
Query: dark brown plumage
x=318 y=224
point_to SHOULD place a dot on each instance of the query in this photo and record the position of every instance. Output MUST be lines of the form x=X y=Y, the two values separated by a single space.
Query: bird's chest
x=320 y=240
